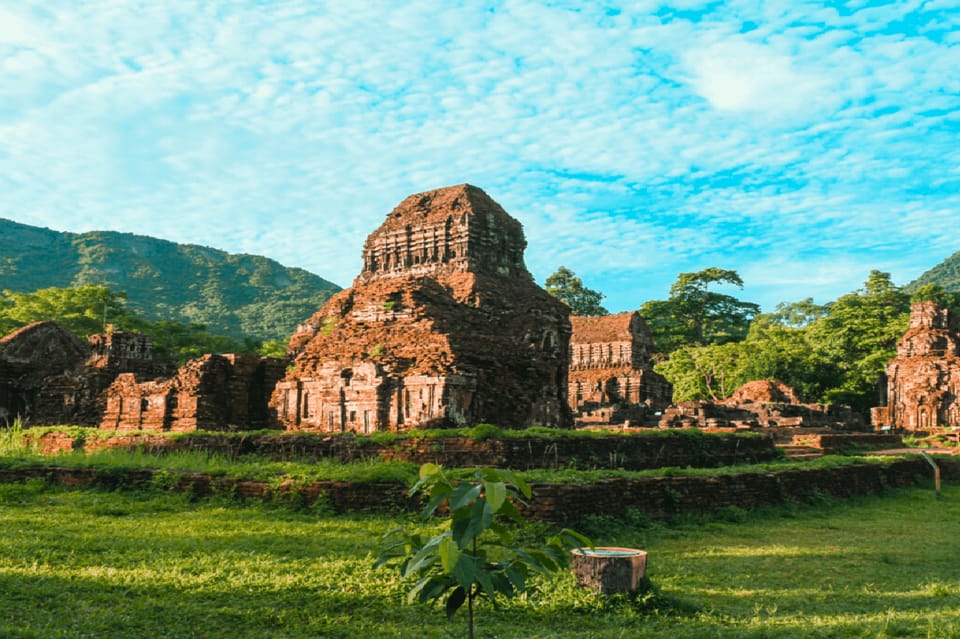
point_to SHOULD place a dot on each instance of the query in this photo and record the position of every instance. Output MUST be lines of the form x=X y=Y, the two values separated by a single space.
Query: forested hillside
x=242 y=296
x=946 y=275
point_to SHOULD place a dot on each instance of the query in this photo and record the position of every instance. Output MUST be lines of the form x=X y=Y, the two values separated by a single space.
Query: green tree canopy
x=694 y=315
x=85 y=310
x=859 y=334
x=833 y=353
x=936 y=293
x=569 y=289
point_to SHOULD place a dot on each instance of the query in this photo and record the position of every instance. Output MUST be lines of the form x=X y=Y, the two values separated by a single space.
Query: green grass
x=251 y=467
x=127 y=564
x=553 y=475
x=257 y=468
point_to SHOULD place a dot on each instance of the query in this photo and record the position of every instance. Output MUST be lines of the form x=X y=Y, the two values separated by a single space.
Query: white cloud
x=736 y=75
x=632 y=146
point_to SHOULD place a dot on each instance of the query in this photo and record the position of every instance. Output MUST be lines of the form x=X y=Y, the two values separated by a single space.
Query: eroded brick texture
x=36 y=363
x=760 y=404
x=923 y=380
x=611 y=373
x=49 y=376
x=443 y=327
x=212 y=392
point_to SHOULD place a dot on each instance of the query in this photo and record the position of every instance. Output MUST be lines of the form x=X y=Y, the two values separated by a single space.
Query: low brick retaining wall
x=342 y=496
x=845 y=442
x=665 y=497
x=630 y=452
x=563 y=504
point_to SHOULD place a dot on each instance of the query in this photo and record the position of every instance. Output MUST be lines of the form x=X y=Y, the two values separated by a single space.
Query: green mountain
x=236 y=295
x=946 y=274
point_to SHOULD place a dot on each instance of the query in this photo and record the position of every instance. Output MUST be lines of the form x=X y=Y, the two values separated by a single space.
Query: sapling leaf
x=466 y=572
x=502 y=584
x=516 y=573
x=455 y=600
x=424 y=558
x=463 y=495
x=486 y=585
x=433 y=504
x=449 y=554
x=433 y=589
x=509 y=509
x=428 y=469
x=496 y=493
x=417 y=590
x=581 y=539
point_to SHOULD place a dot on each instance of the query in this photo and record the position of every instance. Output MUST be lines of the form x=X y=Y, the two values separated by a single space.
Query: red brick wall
x=563 y=504
x=635 y=452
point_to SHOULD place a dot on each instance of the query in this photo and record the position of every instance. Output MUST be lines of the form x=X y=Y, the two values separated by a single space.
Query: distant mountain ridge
x=238 y=295
x=946 y=274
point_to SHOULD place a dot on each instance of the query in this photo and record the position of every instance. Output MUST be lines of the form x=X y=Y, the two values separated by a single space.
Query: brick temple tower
x=443 y=327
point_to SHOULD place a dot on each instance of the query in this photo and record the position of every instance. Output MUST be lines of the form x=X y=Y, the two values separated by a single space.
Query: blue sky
x=801 y=144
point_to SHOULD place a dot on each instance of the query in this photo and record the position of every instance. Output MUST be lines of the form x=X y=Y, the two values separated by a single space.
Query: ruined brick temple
x=923 y=380
x=49 y=376
x=35 y=366
x=444 y=326
x=212 y=392
x=765 y=403
x=611 y=371
x=114 y=381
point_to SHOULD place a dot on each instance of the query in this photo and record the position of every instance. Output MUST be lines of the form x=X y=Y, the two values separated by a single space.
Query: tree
x=569 y=289
x=833 y=353
x=797 y=314
x=703 y=372
x=936 y=293
x=859 y=334
x=83 y=310
x=693 y=315
x=770 y=351
x=181 y=342
x=786 y=353
x=477 y=556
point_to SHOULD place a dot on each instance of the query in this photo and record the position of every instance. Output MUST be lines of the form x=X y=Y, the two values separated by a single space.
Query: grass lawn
x=123 y=564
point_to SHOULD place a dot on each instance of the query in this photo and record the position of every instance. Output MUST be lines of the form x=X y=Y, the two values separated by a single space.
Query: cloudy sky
x=801 y=144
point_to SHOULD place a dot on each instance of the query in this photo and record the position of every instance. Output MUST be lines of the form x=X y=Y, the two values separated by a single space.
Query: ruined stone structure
x=923 y=380
x=212 y=392
x=611 y=372
x=48 y=376
x=443 y=327
x=121 y=349
x=760 y=404
x=764 y=391
x=37 y=374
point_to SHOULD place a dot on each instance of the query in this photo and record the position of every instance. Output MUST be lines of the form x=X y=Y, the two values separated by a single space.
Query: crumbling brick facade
x=38 y=374
x=923 y=380
x=48 y=376
x=443 y=327
x=611 y=373
x=212 y=392
x=760 y=404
